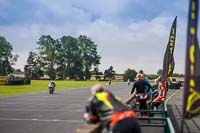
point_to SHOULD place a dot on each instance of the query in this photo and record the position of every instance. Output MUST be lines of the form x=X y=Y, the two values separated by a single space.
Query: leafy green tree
x=77 y=69
x=177 y=75
x=151 y=76
x=7 y=59
x=129 y=74
x=60 y=60
x=68 y=56
x=17 y=71
x=109 y=73
x=96 y=68
x=68 y=53
x=33 y=68
x=30 y=63
x=89 y=54
x=47 y=50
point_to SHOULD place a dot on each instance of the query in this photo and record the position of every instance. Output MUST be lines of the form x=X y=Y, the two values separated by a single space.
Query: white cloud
x=21 y=61
x=138 y=44
x=135 y=46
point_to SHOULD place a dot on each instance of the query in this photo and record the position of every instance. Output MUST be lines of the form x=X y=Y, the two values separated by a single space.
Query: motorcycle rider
x=52 y=85
x=105 y=108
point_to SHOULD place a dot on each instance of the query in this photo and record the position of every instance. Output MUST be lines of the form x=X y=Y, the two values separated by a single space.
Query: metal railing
x=164 y=120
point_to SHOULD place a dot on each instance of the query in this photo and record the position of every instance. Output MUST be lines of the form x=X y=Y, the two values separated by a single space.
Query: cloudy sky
x=129 y=33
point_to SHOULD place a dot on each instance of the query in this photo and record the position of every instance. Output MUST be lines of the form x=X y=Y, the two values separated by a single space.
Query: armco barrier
x=18 y=82
x=165 y=123
x=169 y=127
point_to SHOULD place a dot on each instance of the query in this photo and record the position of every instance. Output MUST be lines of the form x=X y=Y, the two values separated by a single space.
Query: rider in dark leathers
x=105 y=108
x=139 y=90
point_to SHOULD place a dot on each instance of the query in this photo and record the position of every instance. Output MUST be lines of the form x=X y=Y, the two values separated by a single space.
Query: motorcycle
x=139 y=98
x=51 y=90
x=155 y=94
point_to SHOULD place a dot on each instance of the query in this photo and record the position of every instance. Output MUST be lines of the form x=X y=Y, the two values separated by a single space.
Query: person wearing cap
x=138 y=90
x=105 y=108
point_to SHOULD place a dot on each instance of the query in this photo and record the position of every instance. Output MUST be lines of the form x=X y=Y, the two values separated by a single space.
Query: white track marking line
x=50 y=104
x=53 y=120
x=64 y=110
x=172 y=95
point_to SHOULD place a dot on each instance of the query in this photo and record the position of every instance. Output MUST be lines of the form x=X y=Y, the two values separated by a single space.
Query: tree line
x=7 y=59
x=66 y=57
x=63 y=58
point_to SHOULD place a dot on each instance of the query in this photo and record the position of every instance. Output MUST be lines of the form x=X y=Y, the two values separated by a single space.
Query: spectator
x=147 y=80
x=163 y=90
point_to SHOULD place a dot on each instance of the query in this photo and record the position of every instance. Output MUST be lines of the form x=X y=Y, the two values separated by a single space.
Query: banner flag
x=191 y=103
x=168 y=61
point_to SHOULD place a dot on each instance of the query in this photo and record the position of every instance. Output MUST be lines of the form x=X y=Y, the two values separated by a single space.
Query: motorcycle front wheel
x=51 y=91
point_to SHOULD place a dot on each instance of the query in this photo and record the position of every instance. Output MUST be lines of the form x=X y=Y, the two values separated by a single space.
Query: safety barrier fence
x=15 y=82
x=162 y=119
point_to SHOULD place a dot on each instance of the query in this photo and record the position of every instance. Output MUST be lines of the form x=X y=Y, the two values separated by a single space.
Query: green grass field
x=42 y=86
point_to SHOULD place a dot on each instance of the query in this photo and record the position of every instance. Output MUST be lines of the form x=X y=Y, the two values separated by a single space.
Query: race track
x=44 y=113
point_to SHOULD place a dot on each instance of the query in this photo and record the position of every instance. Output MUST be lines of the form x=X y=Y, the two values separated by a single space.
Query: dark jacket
x=139 y=85
x=103 y=105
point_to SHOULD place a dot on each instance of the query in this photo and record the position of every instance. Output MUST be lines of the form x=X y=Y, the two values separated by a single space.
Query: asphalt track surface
x=175 y=108
x=44 y=113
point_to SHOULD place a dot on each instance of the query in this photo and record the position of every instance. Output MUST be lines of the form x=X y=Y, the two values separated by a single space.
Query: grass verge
x=42 y=86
